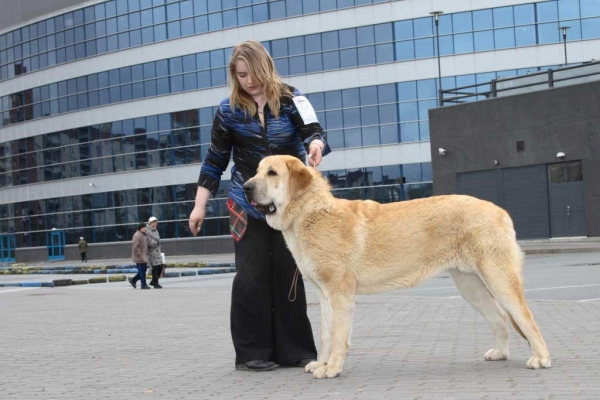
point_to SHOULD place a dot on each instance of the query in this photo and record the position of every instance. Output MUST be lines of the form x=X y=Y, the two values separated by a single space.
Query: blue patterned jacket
x=250 y=142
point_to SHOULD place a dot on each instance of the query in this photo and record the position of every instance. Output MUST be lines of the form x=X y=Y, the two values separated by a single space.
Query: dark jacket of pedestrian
x=83 y=246
x=139 y=248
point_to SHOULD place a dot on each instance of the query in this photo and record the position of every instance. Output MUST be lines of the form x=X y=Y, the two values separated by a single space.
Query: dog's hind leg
x=325 y=333
x=341 y=303
x=473 y=290
x=504 y=282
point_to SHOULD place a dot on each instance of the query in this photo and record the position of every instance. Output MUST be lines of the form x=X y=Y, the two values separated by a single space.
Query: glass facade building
x=127 y=89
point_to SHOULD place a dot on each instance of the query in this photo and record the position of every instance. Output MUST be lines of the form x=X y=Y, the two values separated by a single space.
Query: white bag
x=163 y=259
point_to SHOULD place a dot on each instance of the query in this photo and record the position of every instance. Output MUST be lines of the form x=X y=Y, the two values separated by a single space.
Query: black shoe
x=146 y=287
x=156 y=286
x=256 y=366
x=132 y=283
x=302 y=363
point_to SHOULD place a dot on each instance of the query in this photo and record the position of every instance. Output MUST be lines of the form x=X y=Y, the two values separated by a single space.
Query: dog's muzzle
x=266 y=209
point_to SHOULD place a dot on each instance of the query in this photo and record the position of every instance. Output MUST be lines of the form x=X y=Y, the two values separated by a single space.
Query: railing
x=586 y=72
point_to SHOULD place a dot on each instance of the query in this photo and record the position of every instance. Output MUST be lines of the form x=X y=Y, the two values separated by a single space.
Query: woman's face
x=243 y=77
x=153 y=224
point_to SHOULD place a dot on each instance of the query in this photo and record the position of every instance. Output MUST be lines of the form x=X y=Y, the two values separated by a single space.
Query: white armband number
x=306 y=110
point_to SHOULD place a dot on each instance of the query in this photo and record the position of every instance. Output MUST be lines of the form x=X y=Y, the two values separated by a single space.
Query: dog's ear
x=300 y=177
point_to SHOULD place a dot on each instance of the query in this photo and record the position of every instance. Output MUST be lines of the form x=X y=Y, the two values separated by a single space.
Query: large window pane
x=314 y=63
x=548 y=33
x=590 y=8
x=504 y=38
x=427 y=89
x=424 y=48
x=370 y=136
x=483 y=20
x=484 y=40
x=296 y=46
x=409 y=132
x=503 y=17
x=407 y=91
x=403 y=29
x=383 y=33
x=405 y=50
x=462 y=22
x=260 y=13
x=384 y=53
x=423 y=27
x=463 y=43
x=590 y=28
x=408 y=111
x=351 y=118
x=525 y=14
x=525 y=35
x=366 y=55
x=331 y=60
x=547 y=11
x=349 y=58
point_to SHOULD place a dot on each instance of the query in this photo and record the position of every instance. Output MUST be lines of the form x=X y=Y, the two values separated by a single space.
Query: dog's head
x=278 y=181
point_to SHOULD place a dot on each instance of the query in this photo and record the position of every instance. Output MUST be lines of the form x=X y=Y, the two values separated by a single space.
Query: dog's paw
x=537 y=362
x=312 y=366
x=326 y=372
x=495 y=355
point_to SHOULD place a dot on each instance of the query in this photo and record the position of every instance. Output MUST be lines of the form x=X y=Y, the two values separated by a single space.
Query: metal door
x=56 y=246
x=526 y=200
x=567 y=204
x=7 y=248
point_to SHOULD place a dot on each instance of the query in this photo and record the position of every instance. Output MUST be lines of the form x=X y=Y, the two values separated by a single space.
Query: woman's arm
x=311 y=133
x=215 y=162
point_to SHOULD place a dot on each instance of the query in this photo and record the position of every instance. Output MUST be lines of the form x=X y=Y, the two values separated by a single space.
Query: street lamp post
x=563 y=29
x=436 y=15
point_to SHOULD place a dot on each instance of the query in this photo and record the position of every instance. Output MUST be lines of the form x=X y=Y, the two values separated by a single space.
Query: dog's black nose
x=248 y=187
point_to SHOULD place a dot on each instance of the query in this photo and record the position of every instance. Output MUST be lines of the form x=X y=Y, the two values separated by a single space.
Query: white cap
x=152 y=219
x=81 y=238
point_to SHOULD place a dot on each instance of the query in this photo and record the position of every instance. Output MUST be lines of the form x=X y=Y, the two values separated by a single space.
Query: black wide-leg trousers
x=265 y=325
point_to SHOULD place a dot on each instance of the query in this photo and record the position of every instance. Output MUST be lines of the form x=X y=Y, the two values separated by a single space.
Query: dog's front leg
x=342 y=315
x=325 y=333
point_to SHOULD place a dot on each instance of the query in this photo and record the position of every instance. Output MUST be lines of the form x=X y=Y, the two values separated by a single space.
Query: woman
x=154 y=257
x=260 y=118
x=139 y=255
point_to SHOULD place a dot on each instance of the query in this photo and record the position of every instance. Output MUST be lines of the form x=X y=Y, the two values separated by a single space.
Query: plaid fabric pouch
x=238 y=220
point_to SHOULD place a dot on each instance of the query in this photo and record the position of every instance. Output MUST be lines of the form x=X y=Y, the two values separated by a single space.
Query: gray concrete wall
x=103 y=251
x=565 y=119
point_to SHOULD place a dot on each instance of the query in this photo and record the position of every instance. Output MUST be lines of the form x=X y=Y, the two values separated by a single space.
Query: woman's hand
x=197 y=218
x=199 y=212
x=315 y=152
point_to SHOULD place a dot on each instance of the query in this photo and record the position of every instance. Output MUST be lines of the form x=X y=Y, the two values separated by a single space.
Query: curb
x=561 y=251
x=99 y=270
x=120 y=278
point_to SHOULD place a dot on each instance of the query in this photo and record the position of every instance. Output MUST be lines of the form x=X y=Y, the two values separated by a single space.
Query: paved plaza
x=108 y=341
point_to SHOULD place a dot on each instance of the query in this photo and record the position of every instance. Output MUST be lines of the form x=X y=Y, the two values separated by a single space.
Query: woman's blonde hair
x=261 y=69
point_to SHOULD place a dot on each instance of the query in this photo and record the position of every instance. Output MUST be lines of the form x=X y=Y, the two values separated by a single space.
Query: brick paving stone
x=108 y=341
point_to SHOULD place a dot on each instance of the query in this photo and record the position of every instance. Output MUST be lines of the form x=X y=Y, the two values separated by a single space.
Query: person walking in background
x=139 y=255
x=82 y=245
x=154 y=257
